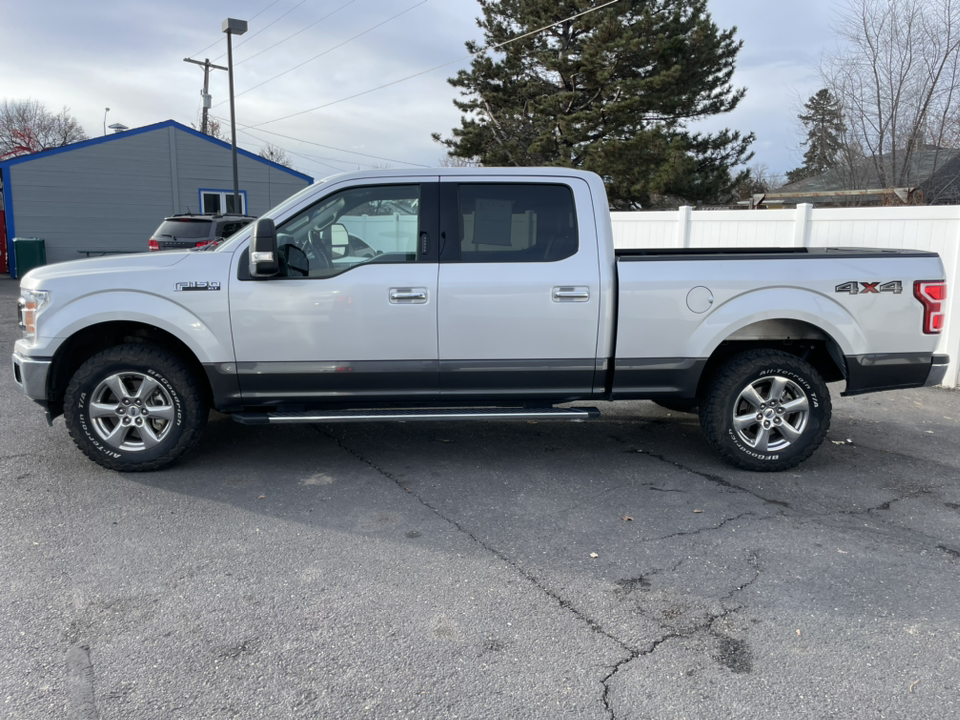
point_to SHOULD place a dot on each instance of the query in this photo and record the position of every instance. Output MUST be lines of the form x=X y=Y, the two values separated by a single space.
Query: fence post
x=683 y=225
x=801 y=228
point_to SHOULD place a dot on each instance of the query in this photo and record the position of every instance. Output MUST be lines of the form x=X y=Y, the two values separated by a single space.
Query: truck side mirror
x=264 y=260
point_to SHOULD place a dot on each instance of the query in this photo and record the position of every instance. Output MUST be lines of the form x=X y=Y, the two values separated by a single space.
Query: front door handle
x=571 y=294
x=408 y=296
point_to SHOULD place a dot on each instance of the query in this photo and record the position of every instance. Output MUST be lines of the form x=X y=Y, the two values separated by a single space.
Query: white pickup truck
x=461 y=294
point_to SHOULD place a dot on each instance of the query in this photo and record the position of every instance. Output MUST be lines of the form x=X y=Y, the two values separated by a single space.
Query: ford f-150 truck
x=467 y=294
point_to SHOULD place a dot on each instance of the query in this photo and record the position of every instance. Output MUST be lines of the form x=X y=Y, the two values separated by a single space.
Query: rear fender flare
x=779 y=303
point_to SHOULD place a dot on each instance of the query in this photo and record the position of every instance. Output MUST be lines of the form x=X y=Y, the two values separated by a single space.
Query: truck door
x=519 y=289
x=353 y=312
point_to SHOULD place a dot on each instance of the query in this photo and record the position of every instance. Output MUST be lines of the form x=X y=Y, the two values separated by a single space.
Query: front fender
x=204 y=327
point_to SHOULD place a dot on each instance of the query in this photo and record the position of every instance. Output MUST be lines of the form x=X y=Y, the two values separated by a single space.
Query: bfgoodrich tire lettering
x=134 y=408
x=766 y=410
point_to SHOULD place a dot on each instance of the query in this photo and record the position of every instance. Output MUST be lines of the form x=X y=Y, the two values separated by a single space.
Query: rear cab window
x=516 y=222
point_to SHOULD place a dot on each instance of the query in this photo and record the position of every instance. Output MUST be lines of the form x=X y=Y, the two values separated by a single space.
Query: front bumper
x=31 y=375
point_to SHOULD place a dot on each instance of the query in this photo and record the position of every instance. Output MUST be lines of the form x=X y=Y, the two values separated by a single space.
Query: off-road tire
x=766 y=410
x=134 y=408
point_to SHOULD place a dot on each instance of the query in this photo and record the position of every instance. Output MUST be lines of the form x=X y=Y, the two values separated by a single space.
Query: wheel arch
x=87 y=342
x=796 y=337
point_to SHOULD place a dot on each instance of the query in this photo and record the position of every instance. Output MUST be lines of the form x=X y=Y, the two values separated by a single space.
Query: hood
x=132 y=263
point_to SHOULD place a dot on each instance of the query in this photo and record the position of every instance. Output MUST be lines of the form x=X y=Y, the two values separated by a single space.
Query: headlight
x=31 y=302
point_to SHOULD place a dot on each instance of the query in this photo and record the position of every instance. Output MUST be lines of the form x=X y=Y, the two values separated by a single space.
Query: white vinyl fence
x=934 y=228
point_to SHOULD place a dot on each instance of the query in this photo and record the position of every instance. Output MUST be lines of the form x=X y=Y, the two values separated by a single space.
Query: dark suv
x=183 y=232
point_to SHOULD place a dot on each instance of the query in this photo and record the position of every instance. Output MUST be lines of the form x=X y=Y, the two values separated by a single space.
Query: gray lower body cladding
x=519 y=381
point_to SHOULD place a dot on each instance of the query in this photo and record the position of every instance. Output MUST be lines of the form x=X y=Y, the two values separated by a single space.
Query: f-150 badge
x=197 y=285
x=864 y=288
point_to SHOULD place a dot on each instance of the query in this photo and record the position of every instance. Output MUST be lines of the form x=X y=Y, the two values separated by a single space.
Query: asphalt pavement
x=610 y=569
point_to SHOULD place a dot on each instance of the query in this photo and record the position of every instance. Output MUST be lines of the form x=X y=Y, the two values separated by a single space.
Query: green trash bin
x=28 y=253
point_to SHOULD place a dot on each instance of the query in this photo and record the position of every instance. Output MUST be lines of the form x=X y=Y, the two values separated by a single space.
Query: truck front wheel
x=766 y=410
x=134 y=407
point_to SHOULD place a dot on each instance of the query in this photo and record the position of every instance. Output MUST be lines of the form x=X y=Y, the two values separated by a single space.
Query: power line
x=484 y=49
x=311 y=158
x=266 y=26
x=350 y=2
x=218 y=40
x=295 y=67
x=328 y=147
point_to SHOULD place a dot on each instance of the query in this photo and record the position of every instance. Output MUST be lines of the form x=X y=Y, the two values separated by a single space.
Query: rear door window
x=516 y=222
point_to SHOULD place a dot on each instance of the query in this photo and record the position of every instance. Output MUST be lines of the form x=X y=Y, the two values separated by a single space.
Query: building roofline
x=145 y=129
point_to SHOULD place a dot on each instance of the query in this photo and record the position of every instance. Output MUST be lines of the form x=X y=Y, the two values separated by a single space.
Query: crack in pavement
x=590 y=622
x=631 y=653
x=716 y=479
x=886 y=505
x=687 y=533
x=708 y=625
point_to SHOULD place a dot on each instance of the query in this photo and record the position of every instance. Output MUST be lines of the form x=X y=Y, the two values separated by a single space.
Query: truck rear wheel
x=134 y=408
x=766 y=410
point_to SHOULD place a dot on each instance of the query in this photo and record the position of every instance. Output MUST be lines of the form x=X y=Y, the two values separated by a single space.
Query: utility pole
x=206 y=65
x=231 y=27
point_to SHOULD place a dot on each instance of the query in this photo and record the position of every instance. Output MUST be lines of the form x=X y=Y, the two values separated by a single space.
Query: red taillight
x=153 y=244
x=202 y=243
x=933 y=295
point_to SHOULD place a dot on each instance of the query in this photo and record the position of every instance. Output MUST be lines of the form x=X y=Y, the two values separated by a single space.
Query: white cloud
x=129 y=57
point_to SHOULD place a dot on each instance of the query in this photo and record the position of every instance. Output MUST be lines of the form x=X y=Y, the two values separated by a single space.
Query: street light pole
x=233 y=27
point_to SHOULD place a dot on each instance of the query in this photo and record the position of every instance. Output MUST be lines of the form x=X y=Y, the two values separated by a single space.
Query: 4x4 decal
x=864 y=288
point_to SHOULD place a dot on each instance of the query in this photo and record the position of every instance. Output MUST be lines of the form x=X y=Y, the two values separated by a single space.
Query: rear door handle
x=408 y=296
x=571 y=294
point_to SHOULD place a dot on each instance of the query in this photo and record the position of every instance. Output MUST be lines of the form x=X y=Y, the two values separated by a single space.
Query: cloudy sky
x=302 y=62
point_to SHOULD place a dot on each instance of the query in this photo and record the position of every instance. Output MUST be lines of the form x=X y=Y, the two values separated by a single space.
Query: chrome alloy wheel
x=131 y=411
x=771 y=413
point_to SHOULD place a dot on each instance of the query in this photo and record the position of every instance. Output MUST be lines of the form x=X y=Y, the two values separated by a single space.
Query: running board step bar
x=578 y=414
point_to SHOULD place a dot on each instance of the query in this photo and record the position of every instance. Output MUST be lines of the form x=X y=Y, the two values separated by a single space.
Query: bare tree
x=275 y=154
x=897 y=79
x=214 y=129
x=759 y=180
x=452 y=161
x=26 y=126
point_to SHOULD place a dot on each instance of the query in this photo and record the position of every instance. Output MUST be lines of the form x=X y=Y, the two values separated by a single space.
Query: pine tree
x=612 y=91
x=823 y=122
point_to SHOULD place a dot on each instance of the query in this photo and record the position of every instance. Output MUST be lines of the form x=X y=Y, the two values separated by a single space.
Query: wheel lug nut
x=126 y=421
x=777 y=421
x=766 y=424
x=759 y=416
x=126 y=401
x=139 y=421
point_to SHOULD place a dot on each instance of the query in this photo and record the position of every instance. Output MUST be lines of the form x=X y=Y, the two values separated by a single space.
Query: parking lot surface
x=611 y=569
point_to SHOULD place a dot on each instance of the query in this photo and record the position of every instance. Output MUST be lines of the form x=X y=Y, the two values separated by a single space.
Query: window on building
x=220 y=202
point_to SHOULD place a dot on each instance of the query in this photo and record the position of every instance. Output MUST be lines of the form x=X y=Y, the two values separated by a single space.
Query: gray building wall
x=113 y=195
